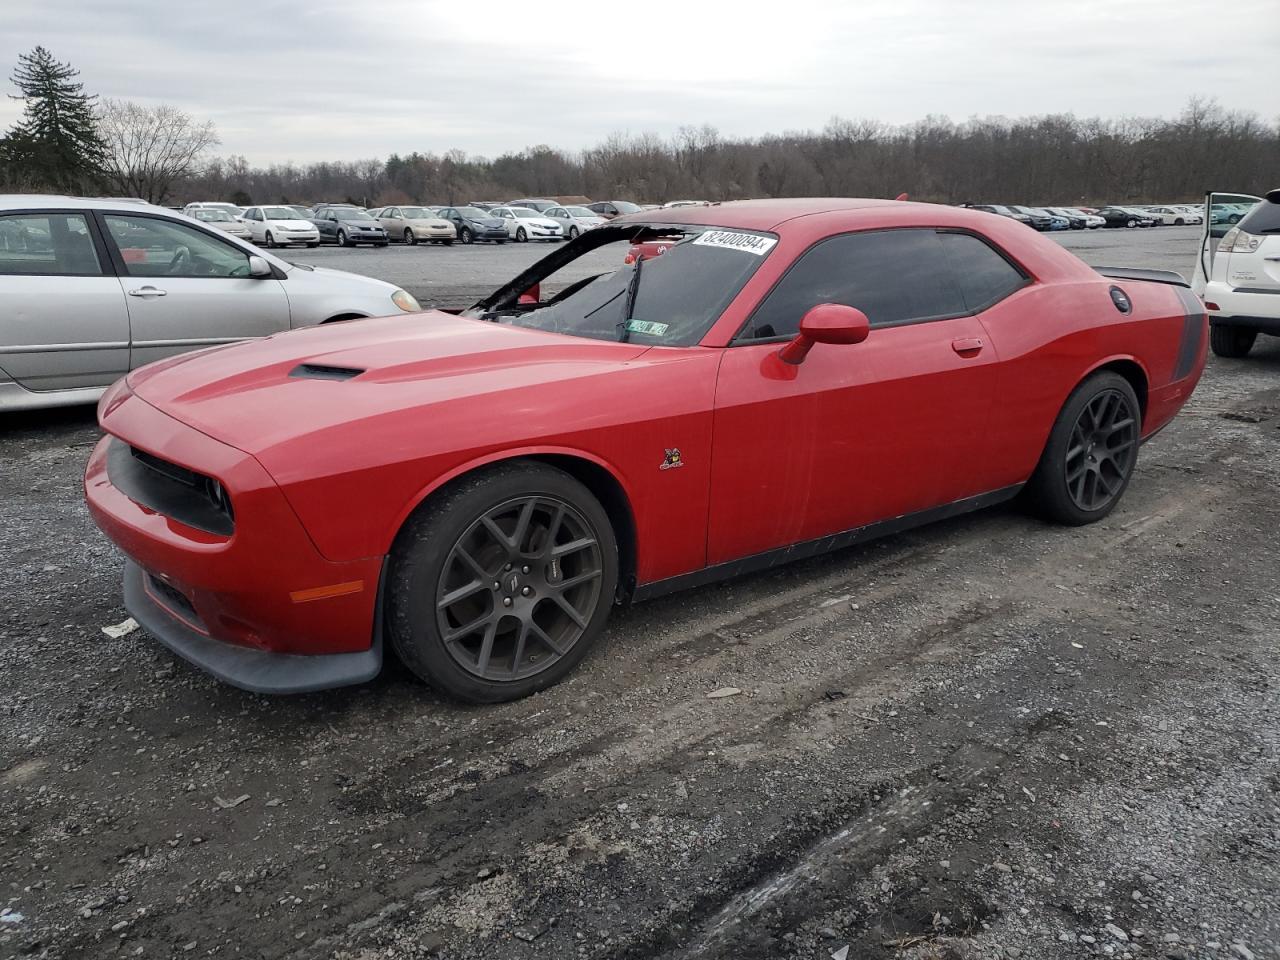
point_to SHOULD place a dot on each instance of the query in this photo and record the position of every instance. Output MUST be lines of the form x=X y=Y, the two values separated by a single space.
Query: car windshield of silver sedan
x=669 y=296
x=417 y=213
x=580 y=212
x=213 y=215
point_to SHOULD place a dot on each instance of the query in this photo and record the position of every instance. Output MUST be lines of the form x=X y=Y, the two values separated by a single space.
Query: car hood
x=361 y=223
x=487 y=221
x=267 y=397
x=537 y=222
x=434 y=223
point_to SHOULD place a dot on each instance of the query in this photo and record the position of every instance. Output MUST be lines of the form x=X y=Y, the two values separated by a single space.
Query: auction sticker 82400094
x=731 y=240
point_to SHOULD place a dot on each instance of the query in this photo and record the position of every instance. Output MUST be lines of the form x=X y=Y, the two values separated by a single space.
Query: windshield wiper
x=633 y=287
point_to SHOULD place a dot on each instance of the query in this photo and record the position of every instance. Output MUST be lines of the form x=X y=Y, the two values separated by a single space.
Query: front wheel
x=270 y=240
x=409 y=238
x=1178 y=221
x=465 y=235
x=1231 y=342
x=573 y=233
x=312 y=244
x=1091 y=453
x=521 y=236
x=500 y=586
x=1131 y=223
x=342 y=239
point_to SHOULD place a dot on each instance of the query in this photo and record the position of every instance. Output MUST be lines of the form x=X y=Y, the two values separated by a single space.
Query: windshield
x=580 y=212
x=625 y=206
x=472 y=213
x=679 y=295
x=350 y=213
x=526 y=213
x=280 y=213
x=417 y=213
x=213 y=215
x=1263 y=218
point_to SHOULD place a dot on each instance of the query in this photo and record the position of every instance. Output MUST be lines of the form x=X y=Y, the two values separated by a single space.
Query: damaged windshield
x=675 y=288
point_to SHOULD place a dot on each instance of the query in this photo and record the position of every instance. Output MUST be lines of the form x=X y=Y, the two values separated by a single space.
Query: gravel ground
x=458 y=275
x=986 y=738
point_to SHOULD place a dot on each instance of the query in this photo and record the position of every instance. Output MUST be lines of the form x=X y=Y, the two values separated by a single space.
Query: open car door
x=1222 y=211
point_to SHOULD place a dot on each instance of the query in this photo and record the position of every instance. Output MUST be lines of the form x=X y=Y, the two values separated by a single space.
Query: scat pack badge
x=672 y=459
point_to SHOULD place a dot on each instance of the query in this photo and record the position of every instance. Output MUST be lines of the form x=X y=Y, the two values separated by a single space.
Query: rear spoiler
x=1139 y=273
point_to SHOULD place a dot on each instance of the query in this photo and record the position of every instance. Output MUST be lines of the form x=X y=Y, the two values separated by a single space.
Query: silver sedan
x=415 y=225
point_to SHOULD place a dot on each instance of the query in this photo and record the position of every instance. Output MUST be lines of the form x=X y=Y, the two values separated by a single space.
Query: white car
x=525 y=223
x=533 y=203
x=221 y=220
x=574 y=220
x=1171 y=216
x=280 y=226
x=1238 y=272
x=230 y=208
x=94 y=288
x=1194 y=214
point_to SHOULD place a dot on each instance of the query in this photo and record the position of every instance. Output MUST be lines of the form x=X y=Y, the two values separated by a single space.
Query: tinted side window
x=983 y=275
x=48 y=244
x=893 y=276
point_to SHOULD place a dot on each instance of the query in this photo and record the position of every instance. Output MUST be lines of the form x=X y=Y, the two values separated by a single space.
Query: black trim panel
x=1270 y=325
x=1136 y=273
x=1193 y=327
x=813 y=548
x=259 y=671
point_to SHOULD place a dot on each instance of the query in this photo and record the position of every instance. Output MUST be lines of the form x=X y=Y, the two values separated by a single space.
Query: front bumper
x=294 y=236
x=259 y=671
x=260 y=608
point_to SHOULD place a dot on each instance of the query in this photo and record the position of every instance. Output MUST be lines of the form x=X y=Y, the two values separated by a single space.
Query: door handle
x=148 y=292
x=967 y=347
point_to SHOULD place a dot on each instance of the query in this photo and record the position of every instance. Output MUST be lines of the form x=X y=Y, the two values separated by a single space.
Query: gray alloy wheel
x=465 y=235
x=409 y=238
x=573 y=233
x=1131 y=222
x=342 y=239
x=1103 y=445
x=521 y=236
x=270 y=240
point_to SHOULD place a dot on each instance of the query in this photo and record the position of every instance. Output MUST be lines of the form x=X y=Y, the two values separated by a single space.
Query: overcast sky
x=335 y=79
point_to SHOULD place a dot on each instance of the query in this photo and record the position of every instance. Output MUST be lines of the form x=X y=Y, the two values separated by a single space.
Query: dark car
x=1001 y=211
x=1039 y=219
x=612 y=208
x=1126 y=217
x=348 y=226
x=474 y=224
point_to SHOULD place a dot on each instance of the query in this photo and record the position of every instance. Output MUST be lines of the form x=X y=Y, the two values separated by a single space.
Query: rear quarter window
x=1263 y=218
x=983 y=274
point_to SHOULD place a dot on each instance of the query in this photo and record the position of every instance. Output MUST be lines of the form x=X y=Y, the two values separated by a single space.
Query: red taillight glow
x=1210 y=305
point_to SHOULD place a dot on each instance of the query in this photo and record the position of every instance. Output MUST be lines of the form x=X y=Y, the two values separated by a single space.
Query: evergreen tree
x=56 y=143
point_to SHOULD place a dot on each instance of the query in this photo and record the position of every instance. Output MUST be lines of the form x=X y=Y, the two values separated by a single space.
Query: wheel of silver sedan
x=1100 y=455
x=519 y=588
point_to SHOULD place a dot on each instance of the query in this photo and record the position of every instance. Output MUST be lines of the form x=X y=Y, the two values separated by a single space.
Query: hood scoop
x=320 y=371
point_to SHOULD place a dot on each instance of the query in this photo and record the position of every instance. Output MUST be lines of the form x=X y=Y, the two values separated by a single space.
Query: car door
x=1219 y=217
x=858 y=433
x=326 y=224
x=186 y=288
x=257 y=227
x=63 y=324
x=391 y=220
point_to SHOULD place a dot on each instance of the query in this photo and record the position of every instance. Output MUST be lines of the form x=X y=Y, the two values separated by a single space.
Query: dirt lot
x=987 y=738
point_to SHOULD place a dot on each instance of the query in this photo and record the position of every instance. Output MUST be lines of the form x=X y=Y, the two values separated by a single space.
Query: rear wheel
x=500 y=586
x=1091 y=453
x=1232 y=342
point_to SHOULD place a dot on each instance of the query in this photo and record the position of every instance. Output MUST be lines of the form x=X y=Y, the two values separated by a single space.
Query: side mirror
x=532 y=295
x=259 y=268
x=826 y=323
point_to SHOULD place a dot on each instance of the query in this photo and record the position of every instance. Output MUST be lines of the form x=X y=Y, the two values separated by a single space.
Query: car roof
x=26 y=201
x=764 y=214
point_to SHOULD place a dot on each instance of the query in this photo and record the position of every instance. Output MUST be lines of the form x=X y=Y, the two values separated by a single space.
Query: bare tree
x=149 y=148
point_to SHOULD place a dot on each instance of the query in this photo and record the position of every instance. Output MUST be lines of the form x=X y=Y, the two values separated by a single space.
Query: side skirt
x=812 y=548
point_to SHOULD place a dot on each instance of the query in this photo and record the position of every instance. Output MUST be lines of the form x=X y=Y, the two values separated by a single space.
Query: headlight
x=404 y=300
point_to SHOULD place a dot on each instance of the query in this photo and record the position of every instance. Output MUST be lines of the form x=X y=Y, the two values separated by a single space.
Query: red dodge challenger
x=478 y=490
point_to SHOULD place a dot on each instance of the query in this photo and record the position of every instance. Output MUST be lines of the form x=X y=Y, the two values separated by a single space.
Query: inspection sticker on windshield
x=730 y=240
x=647 y=327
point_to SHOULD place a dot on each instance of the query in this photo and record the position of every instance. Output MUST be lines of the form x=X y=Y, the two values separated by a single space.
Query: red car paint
x=648 y=249
x=322 y=475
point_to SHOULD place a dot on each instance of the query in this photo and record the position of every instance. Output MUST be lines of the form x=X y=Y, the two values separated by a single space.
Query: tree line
x=68 y=141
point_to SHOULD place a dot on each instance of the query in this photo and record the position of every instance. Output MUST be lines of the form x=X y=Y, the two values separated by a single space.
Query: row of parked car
x=348 y=225
x=1091 y=218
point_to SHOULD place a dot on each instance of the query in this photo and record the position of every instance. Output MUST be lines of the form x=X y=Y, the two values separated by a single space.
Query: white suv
x=1238 y=273
x=94 y=288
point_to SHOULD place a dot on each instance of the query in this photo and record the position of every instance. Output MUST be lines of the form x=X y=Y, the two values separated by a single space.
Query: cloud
x=334 y=80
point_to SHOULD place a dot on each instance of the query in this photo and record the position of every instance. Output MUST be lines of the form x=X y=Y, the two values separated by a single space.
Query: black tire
x=382 y=244
x=465 y=235
x=342 y=239
x=521 y=236
x=573 y=233
x=1092 y=450
x=423 y=575
x=313 y=244
x=270 y=241
x=499 y=242
x=447 y=243
x=1131 y=222
x=1178 y=221
x=409 y=238
x=1233 y=218
x=1231 y=342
